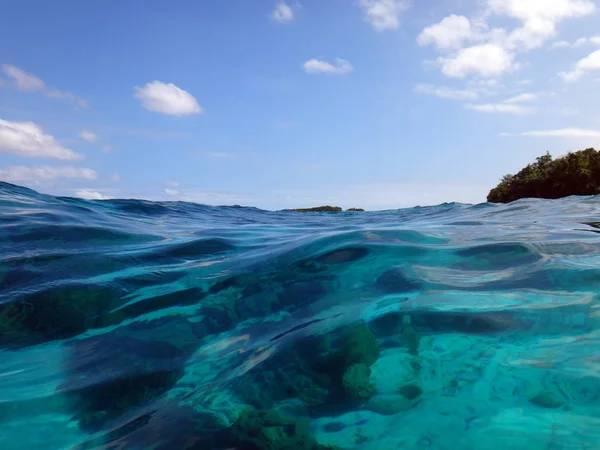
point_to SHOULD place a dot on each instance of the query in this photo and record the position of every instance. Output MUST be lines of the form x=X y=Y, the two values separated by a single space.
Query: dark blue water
x=131 y=324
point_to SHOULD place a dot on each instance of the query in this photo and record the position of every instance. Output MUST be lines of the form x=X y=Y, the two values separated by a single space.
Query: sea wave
x=138 y=324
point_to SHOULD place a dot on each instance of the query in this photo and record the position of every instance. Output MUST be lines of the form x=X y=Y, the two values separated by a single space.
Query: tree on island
x=577 y=173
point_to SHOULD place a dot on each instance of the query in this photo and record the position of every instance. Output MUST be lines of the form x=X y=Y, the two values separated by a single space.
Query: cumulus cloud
x=552 y=10
x=88 y=136
x=283 y=13
x=91 y=195
x=107 y=149
x=171 y=192
x=339 y=67
x=446 y=92
x=587 y=64
x=450 y=33
x=28 y=139
x=115 y=178
x=501 y=108
x=384 y=14
x=487 y=60
x=167 y=99
x=493 y=51
x=27 y=173
x=29 y=83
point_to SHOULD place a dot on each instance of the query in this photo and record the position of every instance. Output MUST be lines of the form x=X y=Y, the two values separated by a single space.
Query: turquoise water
x=139 y=325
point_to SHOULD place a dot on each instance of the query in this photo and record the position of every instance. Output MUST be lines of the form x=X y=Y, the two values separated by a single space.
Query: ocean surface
x=129 y=324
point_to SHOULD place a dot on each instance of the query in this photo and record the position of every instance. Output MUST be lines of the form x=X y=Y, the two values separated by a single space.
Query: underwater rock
x=268 y=430
x=413 y=340
x=356 y=382
x=334 y=427
x=359 y=346
x=182 y=297
x=301 y=294
x=394 y=281
x=411 y=391
x=389 y=404
x=343 y=255
x=110 y=374
x=547 y=400
x=57 y=313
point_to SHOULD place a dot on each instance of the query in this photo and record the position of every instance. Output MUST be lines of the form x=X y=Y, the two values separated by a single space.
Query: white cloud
x=589 y=63
x=23 y=81
x=384 y=14
x=340 y=67
x=450 y=33
x=115 y=178
x=496 y=48
x=283 y=13
x=30 y=83
x=28 y=139
x=553 y=10
x=595 y=40
x=445 y=92
x=88 y=136
x=527 y=97
x=533 y=34
x=53 y=93
x=91 y=195
x=523 y=82
x=564 y=133
x=167 y=99
x=171 y=192
x=501 y=108
x=26 y=173
x=487 y=60
x=107 y=149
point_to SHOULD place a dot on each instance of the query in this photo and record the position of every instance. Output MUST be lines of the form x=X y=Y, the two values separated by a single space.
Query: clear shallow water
x=140 y=325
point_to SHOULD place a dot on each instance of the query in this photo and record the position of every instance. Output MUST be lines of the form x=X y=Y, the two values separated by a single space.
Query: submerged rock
x=356 y=382
x=268 y=430
x=547 y=400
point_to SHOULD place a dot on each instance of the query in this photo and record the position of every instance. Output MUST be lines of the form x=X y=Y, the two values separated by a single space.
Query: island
x=324 y=209
x=577 y=173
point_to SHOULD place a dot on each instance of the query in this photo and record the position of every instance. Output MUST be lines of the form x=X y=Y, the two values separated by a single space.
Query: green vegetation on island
x=577 y=173
x=324 y=209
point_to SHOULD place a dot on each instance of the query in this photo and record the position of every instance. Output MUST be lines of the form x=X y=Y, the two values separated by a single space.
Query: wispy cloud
x=339 y=67
x=26 y=82
x=27 y=173
x=594 y=40
x=384 y=14
x=446 y=92
x=282 y=13
x=522 y=98
x=501 y=108
x=88 y=136
x=587 y=64
x=562 y=133
x=29 y=139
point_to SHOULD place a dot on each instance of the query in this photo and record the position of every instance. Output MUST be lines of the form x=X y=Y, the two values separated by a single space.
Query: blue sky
x=369 y=103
